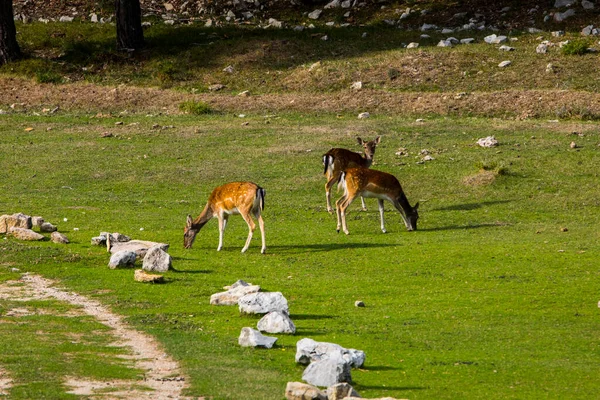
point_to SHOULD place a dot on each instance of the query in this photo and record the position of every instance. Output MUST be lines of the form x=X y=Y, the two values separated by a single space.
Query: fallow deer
x=337 y=160
x=380 y=185
x=244 y=198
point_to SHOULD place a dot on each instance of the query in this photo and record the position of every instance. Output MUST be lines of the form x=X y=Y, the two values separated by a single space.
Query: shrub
x=576 y=47
x=195 y=107
x=48 y=77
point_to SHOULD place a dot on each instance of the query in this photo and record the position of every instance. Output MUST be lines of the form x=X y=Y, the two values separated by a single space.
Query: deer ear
x=377 y=139
x=360 y=141
x=188 y=222
x=416 y=207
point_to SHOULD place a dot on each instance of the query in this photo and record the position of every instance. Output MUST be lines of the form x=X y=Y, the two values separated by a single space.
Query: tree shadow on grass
x=463 y=227
x=318 y=247
x=384 y=388
x=310 y=316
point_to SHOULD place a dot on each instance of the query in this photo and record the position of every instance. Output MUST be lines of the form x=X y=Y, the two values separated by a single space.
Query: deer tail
x=261 y=198
x=327 y=163
x=342 y=182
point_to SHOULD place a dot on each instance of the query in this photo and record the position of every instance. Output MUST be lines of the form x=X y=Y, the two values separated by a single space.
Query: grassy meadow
x=494 y=296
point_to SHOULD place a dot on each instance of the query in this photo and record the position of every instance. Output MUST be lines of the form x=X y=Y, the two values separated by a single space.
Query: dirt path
x=163 y=378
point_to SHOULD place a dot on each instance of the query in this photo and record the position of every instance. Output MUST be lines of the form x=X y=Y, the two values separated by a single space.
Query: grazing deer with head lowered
x=337 y=160
x=244 y=198
x=380 y=185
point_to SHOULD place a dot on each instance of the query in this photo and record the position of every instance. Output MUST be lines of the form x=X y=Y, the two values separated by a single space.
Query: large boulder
x=157 y=260
x=139 y=247
x=328 y=371
x=59 y=238
x=303 y=391
x=25 y=234
x=308 y=350
x=48 y=227
x=122 y=259
x=276 y=322
x=142 y=276
x=252 y=338
x=233 y=294
x=262 y=303
x=14 y=221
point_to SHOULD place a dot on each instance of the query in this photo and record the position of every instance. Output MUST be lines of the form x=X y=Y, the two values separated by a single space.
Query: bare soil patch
x=163 y=377
x=481 y=178
x=25 y=94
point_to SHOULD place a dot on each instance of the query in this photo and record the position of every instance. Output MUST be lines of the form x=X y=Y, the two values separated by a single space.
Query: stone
x=315 y=14
x=263 y=303
x=216 y=87
x=309 y=350
x=340 y=391
x=333 y=4
x=541 y=48
x=587 y=31
x=37 y=222
x=559 y=17
x=428 y=27
x=59 y=238
x=98 y=241
x=65 y=18
x=558 y=33
x=356 y=86
x=506 y=48
x=504 y=64
x=359 y=303
x=116 y=237
x=467 y=40
x=252 y=338
x=48 y=227
x=489 y=141
x=140 y=247
x=25 y=234
x=122 y=259
x=157 y=260
x=564 y=3
x=550 y=68
x=18 y=220
x=364 y=115
x=328 y=372
x=233 y=294
x=444 y=43
x=347 y=4
x=169 y=7
x=94 y=18
x=275 y=23
x=303 y=391
x=412 y=45
x=142 y=276
x=276 y=322
x=229 y=69
x=587 y=5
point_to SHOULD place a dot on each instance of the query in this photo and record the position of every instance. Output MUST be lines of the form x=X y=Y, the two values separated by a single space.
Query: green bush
x=48 y=77
x=195 y=107
x=576 y=47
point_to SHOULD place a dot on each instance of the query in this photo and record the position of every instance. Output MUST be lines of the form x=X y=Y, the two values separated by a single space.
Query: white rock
x=467 y=40
x=588 y=5
x=252 y=338
x=315 y=14
x=357 y=85
x=412 y=45
x=587 y=31
x=309 y=350
x=328 y=372
x=444 y=43
x=276 y=322
x=94 y=18
x=25 y=234
x=277 y=24
x=168 y=7
x=122 y=259
x=506 y=48
x=157 y=260
x=262 y=303
x=428 y=27
x=489 y=141
x=364 y=115
x=333 y=4
x=541 y=48
x=504 y=64
x=564 y=3
x=58 y=237
x=233 y=295
x=559 y=17
x=229 y=69
x=347 y=4
x=65 y=18
x=558 y=33
x=446 y=31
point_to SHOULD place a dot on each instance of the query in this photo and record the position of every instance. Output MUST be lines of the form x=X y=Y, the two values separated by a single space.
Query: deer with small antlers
x=380 y=185
x=337 y=160
x=244 y=198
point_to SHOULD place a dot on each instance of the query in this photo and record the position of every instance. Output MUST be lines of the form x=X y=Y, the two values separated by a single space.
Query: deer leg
x=222 y=222
x=330 y=182
x=401 y=211
x=251 y=227
x=364 y=206
x=261 y=225
x=381 y=215
x=341 y=205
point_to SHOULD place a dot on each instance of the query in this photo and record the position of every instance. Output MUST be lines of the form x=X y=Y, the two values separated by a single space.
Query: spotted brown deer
x=337 y=160
x=380 y=185
x=244 y=198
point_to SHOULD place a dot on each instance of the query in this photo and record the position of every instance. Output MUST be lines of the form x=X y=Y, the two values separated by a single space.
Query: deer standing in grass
x=380 y=185
x=337 y=160
x=244 y=198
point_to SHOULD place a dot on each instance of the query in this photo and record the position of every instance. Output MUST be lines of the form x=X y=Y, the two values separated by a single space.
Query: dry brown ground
x=162 y=377
x=84 y=96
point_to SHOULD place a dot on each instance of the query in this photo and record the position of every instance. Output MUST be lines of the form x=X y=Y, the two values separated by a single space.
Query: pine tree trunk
x=9 y=48
x=129 y=25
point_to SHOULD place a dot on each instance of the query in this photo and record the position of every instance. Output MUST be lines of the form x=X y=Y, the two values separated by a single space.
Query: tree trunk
x=9 y=48
x=129 y=25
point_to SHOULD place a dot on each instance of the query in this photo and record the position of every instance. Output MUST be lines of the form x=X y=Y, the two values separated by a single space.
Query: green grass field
x=496 y=295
